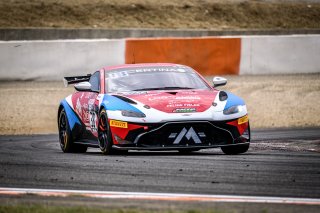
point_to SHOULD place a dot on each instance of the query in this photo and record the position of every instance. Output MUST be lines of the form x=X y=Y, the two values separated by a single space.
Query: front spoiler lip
x=174 y=147
x=136 y=141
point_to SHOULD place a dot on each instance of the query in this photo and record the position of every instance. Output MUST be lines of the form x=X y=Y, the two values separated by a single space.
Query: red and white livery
x=151 y=107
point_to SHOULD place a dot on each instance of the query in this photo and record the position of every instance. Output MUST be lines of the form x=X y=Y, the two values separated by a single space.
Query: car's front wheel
x=235 y=149
x=65 y=137
x=104 y=133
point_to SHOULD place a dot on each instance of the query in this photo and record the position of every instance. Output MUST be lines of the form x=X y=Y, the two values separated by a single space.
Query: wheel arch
x=70 y=114
x=102 y=107
x=59 y=111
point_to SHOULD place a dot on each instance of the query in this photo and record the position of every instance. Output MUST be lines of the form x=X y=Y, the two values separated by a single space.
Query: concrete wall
x=56 y=33
x=280 y=54
x=51 y=60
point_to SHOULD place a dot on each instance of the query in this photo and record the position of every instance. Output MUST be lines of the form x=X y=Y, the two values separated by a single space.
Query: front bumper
x=183 y=135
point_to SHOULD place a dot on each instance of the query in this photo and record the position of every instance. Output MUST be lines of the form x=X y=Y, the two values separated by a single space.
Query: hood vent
x=125 y=99
x=172 y=93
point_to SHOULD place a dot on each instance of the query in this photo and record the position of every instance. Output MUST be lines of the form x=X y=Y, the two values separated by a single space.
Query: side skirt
x=88 y=143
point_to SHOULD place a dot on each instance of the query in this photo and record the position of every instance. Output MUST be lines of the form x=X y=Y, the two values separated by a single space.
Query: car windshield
x=153 y=78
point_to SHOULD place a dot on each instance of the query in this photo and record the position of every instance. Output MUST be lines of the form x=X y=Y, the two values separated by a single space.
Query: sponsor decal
x=243 y=119
x=183 y=105
x=189 y=134
x=93 y=118
x=162 y=101
x=184 y=110
x=133 y=93
x=119 y=124
x=186 y=114
x=174 y=98
x=127 y=72
x=159 y=98
x=93 y=121
x=78 y=108
x=188 y=98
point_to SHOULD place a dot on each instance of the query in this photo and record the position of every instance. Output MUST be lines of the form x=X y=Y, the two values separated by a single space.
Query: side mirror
x=219 y=81
x=83 y=86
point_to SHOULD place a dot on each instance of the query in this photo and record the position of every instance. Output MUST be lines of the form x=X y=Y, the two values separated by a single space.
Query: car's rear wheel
x=65 y=139
x=235 y=149
x=104 y=134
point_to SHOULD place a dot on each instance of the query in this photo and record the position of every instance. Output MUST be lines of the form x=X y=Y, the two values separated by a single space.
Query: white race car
x=151 y=107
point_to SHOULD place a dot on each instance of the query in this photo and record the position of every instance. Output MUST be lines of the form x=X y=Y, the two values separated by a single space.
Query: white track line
x=159 y=196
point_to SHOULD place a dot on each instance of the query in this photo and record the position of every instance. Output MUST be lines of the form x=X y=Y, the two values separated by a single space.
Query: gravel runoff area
x=175 y=14
x=273 y=101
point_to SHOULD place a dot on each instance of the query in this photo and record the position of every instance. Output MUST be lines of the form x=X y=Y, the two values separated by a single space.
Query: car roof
x=110 y=68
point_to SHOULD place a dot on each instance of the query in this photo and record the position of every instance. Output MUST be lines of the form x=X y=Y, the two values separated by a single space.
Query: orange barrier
x=209 y=56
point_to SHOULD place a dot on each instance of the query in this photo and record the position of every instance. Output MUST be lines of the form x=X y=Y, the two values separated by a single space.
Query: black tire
x=235 y=149
x=104 y=134
x=65 y=137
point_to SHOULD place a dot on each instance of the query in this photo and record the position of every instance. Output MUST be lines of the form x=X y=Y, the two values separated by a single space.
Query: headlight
x=233 y=110
x=128 y=113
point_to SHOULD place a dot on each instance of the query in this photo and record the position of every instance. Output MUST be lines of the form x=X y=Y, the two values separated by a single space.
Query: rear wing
x=75 y=79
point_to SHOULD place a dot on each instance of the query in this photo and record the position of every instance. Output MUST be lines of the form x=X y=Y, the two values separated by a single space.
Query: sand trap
x=273 y=101
x=176 y=14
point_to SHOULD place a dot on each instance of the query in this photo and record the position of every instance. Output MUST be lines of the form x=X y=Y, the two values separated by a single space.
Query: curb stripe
x=159 y=196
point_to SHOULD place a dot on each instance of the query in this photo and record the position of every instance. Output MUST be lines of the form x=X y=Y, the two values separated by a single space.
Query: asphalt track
x=37 y=162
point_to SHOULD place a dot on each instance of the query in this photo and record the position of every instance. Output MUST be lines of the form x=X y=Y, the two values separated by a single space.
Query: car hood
x=175 y=101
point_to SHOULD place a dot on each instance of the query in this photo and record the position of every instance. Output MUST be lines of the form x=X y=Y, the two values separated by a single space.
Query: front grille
x=184 y=134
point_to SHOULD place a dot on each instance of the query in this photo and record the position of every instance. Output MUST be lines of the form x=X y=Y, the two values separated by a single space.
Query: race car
x=157 y=106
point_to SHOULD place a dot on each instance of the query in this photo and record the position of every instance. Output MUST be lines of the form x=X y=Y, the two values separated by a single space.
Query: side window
x=95 y=81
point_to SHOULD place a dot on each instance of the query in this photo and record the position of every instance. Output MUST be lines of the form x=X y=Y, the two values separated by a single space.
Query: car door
x=86 y=106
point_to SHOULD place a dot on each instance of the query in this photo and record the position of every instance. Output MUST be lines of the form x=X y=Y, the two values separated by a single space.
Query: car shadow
x=157 y=153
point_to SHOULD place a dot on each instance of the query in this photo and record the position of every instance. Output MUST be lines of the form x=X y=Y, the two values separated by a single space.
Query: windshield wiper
x=162 y=88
